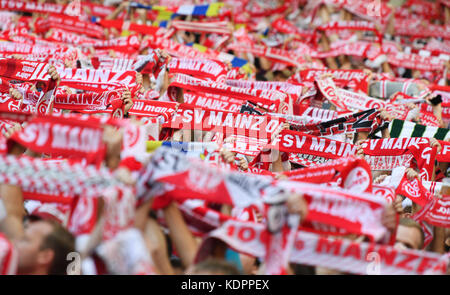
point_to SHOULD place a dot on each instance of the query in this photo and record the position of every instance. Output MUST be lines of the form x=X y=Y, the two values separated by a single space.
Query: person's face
x=447 y=237
x=408 y=237
x=30 y=255
x=279 y=78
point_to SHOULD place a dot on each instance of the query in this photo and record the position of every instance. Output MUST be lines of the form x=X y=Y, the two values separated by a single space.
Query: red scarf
x=284 y=26
x=213 y=102
x=68 y=37
x=121 y=25
x=415 y=28
x=194 y=118
x=97 y=80
x=277 y=55
x=301 y=143
x=356 y=79
x=31 y=71
x=145 y=64
x=31 y=6
x=291 y=89
x=54 y=181
x=67 y=136
x=414 y=8
x=351 y=25
x=265 y=98
x=13 y=69
x=415 y=61
x=435 y=212
x=317 y=250
x=329 y=90
x=176 y=49
x=128 y=44
x=349 y=173
x=195 y=179
x=414 y=190
x=145 y=108
x=217 y=27
x=70 y=24
x=204 y=69
x=86 y=101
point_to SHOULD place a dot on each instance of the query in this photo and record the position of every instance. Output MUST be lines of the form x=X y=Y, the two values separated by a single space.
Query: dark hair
x=408 y=222
x=303 y=269
x=175 y=262
x=62 y=242
x=216 y=266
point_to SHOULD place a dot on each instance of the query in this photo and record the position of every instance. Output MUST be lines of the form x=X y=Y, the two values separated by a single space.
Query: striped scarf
x=219 y=27
x=401 y=129
x=54 y=181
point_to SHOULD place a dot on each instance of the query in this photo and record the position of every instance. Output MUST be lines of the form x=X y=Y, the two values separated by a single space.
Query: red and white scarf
x=360 y=101
x=203 y=69
x=414 y=190
x=70 y=24
x=278 y=55
x=217 y=27
x=359 y=49
x=329 y=90
x=415 y=61
x=194 y=179
x=32 y=6
x=9 y=259
x=355 y=79
x=301 y=143
x=65 y=136
x=435 y=212
x=415 y=28
x=68 y=37
x=86 y=101
x=349 y=173
x=129 y=44
x=351 y=25
x=228 y=123
x=176 y=49
x=284 y=26
x=340 y=254
x=54 y=181
x=264 y=98
x=97 y=80
x=213 y=102
x=145 y=109
x=285 y=87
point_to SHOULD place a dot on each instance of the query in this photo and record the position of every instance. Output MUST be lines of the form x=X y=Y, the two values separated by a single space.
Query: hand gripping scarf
x=194 y=179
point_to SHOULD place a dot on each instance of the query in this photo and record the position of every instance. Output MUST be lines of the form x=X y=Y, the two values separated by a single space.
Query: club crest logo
x=358 y=180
